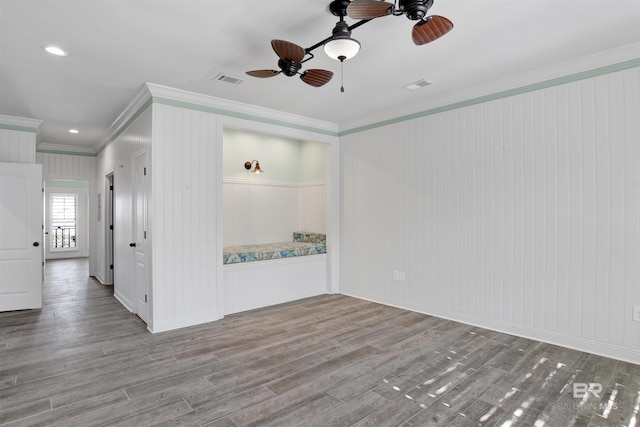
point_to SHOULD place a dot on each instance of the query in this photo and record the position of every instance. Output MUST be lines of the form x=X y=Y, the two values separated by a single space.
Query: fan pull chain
x=341 y=58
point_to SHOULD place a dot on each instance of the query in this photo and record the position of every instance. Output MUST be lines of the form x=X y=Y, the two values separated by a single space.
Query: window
x=63 y=221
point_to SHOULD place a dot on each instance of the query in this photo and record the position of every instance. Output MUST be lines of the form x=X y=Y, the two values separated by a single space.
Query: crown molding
x=224 y=107
x=20 y=124
x=70 y=150
x=623 y=58
x=137 y=106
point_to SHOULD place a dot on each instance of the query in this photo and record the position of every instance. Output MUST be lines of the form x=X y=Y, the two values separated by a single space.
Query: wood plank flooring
x=84 y=360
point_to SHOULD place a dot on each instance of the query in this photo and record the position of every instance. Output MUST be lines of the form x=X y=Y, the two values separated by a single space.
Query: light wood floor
x=83 y=360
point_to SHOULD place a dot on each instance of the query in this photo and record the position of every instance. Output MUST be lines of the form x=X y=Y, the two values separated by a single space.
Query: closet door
x=20 y=236
x=140 y=193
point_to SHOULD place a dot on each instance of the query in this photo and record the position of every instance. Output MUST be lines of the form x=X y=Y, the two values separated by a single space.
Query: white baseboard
x=124 y=301
x=575 y=343
x=183 y=322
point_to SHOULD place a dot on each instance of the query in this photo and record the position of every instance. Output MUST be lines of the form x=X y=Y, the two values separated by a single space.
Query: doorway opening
x=66 y=219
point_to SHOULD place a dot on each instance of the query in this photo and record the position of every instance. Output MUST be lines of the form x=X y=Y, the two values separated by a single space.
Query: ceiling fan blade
x=316 y=77
x=263 y=73
x=287 y=50
x=431 y=29
x=368 y=9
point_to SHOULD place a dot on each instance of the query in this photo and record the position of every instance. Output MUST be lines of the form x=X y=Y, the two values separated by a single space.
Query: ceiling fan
x=291 y=58
x=427 y=29
x=341 y=46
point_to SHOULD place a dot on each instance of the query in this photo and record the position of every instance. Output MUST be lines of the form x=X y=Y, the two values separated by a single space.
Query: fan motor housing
x=415 y=9
x=339 y=7
x=288 y=67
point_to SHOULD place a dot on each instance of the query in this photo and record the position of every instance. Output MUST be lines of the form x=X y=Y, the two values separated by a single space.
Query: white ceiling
x=117 y=45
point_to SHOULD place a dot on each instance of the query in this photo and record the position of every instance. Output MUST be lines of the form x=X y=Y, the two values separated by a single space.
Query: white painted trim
x=281 y=131
x=580 y=65
x=183 y=322
x=100 y=279
x=334 y=217
x=274 y=262
x=71 y=149
x=224 y=104
x=243 y=181
x=220 y=288
x=312 y=184
x=143 y=96
x=124 y=301
x=20 y=121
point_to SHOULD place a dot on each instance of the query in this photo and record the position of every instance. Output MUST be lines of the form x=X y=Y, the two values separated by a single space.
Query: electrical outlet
x=399 y=276
x=636 y=313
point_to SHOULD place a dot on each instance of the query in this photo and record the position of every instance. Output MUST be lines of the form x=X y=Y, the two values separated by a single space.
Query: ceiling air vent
x=418 y=84
x=228 y=79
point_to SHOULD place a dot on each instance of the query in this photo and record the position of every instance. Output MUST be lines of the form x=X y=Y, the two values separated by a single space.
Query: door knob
x=36 y=244
x=132 y=245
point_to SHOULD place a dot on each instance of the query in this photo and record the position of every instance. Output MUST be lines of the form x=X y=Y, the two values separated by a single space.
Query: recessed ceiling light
x=73 y=131
x=55 y=50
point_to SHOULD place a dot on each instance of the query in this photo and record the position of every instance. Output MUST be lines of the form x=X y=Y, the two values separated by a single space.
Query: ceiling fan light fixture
x=342 y=48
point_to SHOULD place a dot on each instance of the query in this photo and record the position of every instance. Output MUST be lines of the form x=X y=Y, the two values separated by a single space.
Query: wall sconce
x=247 y=166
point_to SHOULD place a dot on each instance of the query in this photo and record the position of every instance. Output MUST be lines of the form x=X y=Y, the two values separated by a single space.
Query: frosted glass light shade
x=341 y=48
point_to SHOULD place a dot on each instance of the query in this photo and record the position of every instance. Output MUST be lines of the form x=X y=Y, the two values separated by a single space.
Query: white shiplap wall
x=258 y=212
x=520 y=214
x=65 y=166
x=268 y=212
x=312 y=207
x=17 y=146
x=183 y=210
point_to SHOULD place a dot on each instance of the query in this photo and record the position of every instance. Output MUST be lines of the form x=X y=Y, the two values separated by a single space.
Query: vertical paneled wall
x=64 y=166
x=17 y=146
x=520 y=214
x=312 y=207
x=183 y=206
x=258 y=212
x=117 y=159
x=266 y=212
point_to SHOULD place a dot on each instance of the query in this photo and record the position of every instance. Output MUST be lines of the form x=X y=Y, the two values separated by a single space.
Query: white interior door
x=21 y=213
x=109 y=236
x=140 y=233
